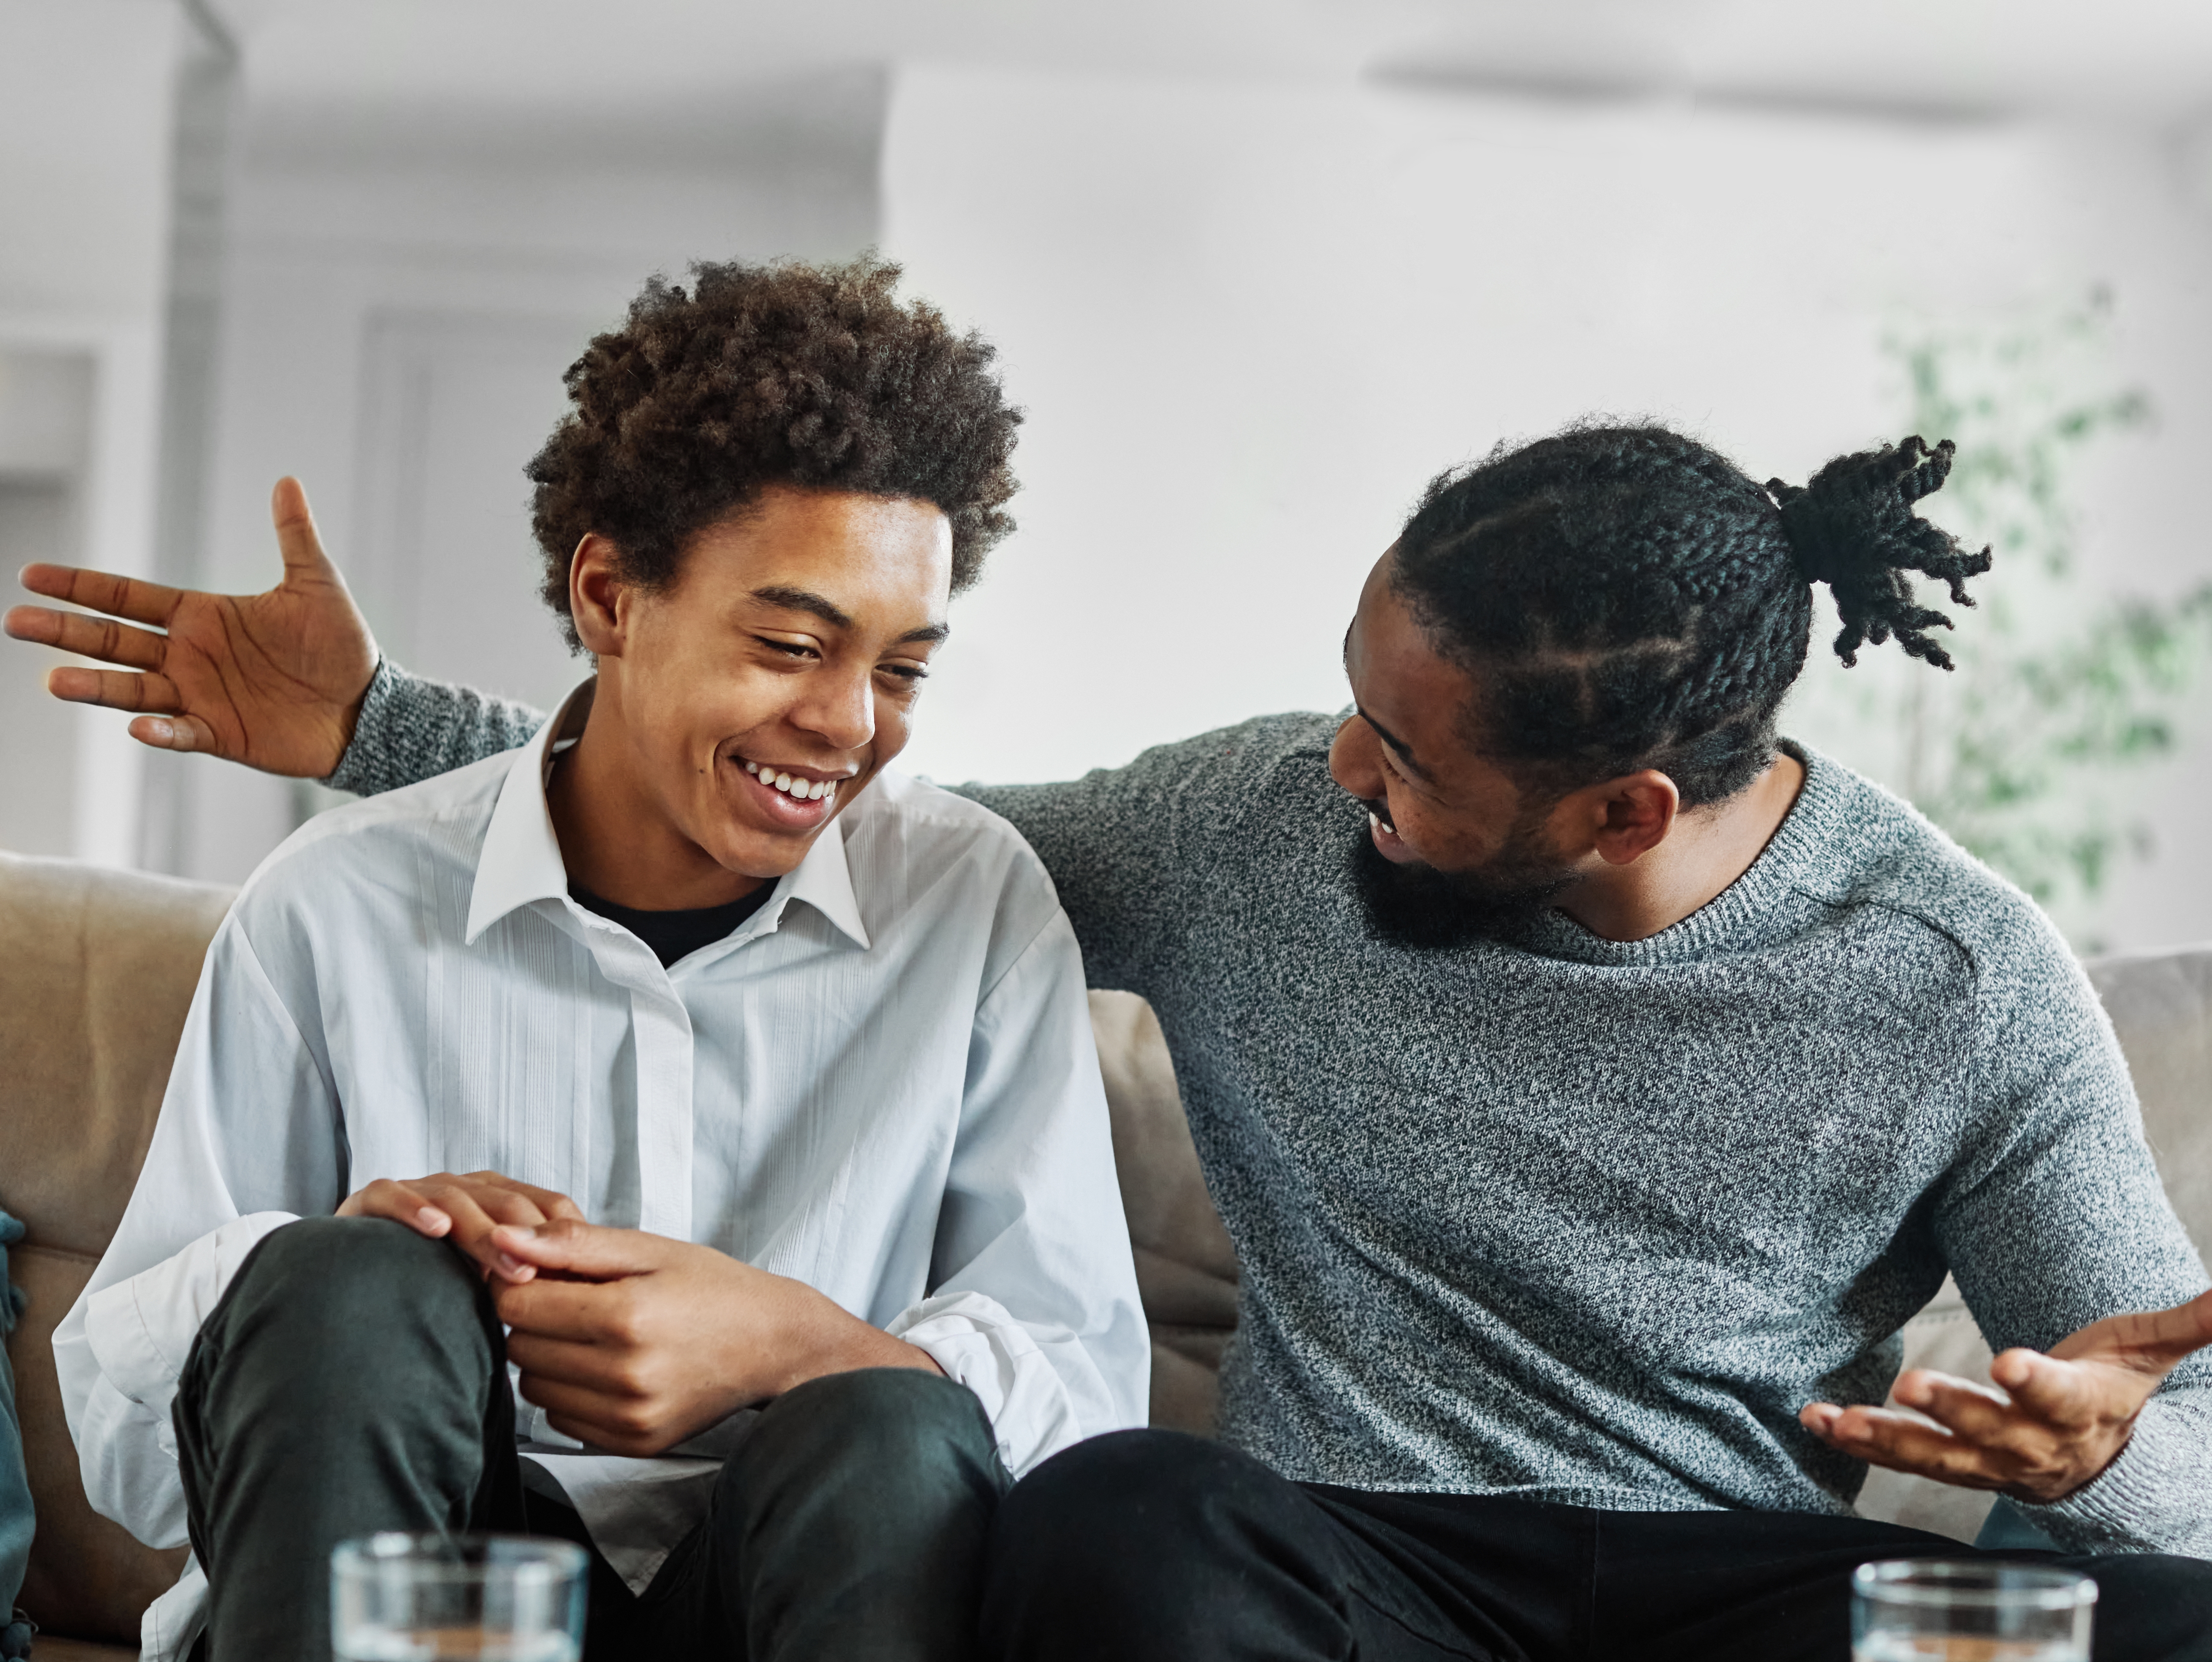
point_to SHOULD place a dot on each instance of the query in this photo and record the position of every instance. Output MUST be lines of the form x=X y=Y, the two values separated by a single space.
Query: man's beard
x=1418 y=905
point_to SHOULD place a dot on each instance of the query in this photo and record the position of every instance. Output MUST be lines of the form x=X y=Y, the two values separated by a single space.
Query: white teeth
x=798 y=789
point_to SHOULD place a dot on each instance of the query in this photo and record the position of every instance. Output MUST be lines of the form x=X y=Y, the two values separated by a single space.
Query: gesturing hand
x=2055 y=1422
x=271 y=680
x=465 y=1210
x=635 y=1343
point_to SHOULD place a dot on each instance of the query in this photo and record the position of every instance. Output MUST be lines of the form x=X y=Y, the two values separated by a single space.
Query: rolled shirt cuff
x=979 y=1345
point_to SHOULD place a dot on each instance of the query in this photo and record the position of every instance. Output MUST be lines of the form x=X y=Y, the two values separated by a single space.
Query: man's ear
x=595 y=595
x=1633 y=814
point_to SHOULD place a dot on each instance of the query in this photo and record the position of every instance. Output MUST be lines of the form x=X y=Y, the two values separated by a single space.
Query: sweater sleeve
x=411 y=728
x=2056 y=1218
x=1126 y=845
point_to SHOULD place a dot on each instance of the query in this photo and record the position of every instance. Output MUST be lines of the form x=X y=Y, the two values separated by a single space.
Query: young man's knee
x=877 y=1421
x=340 y=1283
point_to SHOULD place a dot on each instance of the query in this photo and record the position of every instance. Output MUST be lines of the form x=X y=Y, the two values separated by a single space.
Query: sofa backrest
x=2161 y=1003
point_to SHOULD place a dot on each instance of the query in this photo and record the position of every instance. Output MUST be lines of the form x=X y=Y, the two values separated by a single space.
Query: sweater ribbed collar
x=1795 y=874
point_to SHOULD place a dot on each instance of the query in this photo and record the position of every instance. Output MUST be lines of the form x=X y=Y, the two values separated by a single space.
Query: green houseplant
x=2063 y=687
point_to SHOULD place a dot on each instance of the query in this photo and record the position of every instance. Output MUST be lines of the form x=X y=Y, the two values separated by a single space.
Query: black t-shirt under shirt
x=675 y=935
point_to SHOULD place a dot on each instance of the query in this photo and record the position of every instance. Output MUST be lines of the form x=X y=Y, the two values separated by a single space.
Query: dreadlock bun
x=1852 y=527
x=1624 y=598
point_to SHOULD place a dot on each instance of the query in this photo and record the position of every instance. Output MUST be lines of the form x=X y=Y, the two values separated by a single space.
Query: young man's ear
x=595 y=590
x=1626 y=818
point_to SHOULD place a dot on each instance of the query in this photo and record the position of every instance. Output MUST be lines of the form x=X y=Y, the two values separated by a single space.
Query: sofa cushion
x=54 y=1647
x=97 y=973
x=1186 y=1268
x=87 y=1578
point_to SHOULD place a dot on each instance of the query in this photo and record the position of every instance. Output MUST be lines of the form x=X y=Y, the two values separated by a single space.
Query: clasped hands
x=630 y=1342
x=2052 y=1422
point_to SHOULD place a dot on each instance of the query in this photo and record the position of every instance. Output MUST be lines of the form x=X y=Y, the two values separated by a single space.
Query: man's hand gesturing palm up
x=272 y=679
x=2054 y=1422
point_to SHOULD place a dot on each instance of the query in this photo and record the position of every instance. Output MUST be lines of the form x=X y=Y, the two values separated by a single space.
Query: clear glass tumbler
x=1913 y=1609
x=443 y=1598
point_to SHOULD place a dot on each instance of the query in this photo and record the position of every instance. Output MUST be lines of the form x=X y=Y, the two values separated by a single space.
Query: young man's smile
x=796 y=785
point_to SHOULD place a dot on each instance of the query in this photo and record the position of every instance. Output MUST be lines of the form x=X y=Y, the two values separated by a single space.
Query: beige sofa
x=96 y=970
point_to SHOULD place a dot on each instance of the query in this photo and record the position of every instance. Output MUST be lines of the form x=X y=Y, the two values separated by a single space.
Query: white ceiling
x=2147 y=60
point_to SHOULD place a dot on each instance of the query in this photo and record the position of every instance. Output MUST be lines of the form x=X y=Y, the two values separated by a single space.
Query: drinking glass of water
x=457 y=1599
x=1934 y=1609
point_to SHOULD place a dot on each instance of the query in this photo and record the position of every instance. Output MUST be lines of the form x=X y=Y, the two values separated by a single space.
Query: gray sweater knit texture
x=1588 y=1221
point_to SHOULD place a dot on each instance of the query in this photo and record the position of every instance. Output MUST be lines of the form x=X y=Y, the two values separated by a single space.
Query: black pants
x=354 y=1378
x=1152 y=1544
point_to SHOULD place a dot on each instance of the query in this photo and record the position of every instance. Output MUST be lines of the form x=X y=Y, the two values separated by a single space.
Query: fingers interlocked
x=466 y=1209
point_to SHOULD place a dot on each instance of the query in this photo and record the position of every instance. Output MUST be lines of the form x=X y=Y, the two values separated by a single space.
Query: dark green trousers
x=354 y=1378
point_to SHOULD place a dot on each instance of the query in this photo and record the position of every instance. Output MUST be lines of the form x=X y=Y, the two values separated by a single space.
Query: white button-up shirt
x=882 y=1085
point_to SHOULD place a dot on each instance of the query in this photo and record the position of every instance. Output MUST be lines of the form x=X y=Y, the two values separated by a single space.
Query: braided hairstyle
x=1626 y=598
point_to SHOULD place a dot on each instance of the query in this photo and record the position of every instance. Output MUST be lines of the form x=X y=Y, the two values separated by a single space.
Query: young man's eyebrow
x=1405 y=751
x=805 y=600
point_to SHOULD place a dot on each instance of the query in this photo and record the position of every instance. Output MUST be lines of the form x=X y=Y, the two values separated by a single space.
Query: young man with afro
x=733 y=1091
x=1593 y=1082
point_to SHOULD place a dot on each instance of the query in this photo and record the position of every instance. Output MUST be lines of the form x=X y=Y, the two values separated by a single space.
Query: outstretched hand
x=2050 y=1424
x=272 y=679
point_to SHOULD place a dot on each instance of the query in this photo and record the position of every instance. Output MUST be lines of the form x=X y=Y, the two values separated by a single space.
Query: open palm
x=2048 y=1423
x=272 y=679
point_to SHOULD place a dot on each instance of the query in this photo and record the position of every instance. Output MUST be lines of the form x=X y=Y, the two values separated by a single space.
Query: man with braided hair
x=1593 y=1083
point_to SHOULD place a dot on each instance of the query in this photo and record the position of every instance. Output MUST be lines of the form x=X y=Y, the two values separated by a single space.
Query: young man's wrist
x=825 y=1338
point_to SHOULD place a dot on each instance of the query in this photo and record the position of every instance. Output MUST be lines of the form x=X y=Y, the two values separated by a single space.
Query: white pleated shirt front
x=882 y=1085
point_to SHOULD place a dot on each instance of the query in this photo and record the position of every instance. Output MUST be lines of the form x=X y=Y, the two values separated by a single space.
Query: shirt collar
x=520 y=860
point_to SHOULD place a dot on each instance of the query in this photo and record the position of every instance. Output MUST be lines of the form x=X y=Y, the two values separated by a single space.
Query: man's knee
x=350 y=1292
x=887 y=1474
x=1158 y=1544
x=1128 y=1495
x=2152 y=1607
x=886 y=1428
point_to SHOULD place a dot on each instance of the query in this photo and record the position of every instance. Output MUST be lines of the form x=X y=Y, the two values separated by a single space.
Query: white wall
x=85 y=91
x=402 y=292
x=1249 y=322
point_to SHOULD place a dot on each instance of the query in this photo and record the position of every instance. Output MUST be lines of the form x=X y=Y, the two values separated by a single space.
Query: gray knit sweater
x=1587 y=1221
